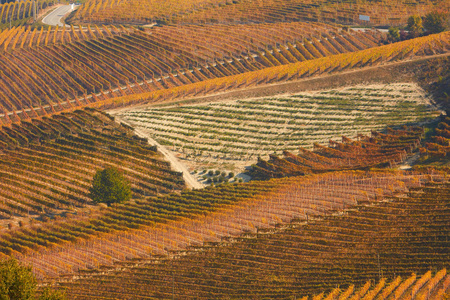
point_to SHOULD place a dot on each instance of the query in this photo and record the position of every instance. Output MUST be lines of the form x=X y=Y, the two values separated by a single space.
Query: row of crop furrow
x=162 y=225
x=238 y=12
x=326 y=65
x=307 y=259
x=49 y=163
x=122 y=63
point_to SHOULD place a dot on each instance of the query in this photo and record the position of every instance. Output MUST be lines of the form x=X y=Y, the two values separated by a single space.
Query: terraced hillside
x=47 y=165
x=378 y=150
x=233 y=134
x=437 y=150
x=250 y=11
x=415 y=287
x=403 y=234
x=151 y=227
x=78 y=67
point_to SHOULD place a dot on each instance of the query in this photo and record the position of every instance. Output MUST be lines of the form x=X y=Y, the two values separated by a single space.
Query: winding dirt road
x=190 y=180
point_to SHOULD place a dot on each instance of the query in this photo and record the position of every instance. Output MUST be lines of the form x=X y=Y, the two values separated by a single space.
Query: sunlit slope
x=403 y=234
x=236 y=133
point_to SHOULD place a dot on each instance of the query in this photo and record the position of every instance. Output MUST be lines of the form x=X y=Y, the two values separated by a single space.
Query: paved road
x=369 y=29
x=54 y=18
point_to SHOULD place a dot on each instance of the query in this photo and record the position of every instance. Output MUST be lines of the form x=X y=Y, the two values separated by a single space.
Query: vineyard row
x=159 y=226
x=389 y=239
x=40 y=79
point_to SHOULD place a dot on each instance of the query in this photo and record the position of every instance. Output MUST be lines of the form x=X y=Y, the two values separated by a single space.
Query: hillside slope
x=402 y=234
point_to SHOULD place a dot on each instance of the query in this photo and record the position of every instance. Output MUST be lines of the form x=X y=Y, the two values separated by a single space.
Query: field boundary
x=404 y=71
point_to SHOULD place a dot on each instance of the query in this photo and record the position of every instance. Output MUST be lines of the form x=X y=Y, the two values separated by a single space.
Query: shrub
x=109 y=186
x=17 y=282
x=394 y=34
x=414 y=27
x=435 y=22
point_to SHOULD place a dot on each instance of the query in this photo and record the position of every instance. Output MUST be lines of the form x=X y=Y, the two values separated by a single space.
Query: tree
x=17 y=282
x=394 y=34
x=415 y=26
x=435 y=22
x=109 y=186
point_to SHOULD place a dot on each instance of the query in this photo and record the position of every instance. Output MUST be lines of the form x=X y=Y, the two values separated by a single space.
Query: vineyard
x=274 y=149
x=47 y=165
x=378 y=150
x=335 y=64
x=438 y=149
x=19 y=12
x=389 y=239
x=250 y=11
x=20 y=37
x=84 y=73
x=235 y=133
x=95 y=64
x=157 y=226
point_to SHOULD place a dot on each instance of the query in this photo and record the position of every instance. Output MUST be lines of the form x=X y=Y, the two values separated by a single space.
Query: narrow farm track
x=178 y=166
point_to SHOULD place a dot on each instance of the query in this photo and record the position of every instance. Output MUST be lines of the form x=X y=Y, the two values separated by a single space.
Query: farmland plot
x=231 y=135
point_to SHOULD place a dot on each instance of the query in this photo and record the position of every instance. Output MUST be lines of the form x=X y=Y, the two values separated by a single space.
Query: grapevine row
x=379 y=150
x=113 y=63
x=47 y=165
x=238 y=132
x=387 y=240
x=21 y=10
x=432 y=44
x=159 y=226
x=250 y=11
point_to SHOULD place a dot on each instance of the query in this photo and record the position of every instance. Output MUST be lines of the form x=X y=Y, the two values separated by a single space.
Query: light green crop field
x=232 y=134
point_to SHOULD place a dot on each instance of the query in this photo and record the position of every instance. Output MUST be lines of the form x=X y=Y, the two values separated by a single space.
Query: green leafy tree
x=17 y=282
x=394 y=34
x=415 y=26
x=109 y=186
x=435 y=22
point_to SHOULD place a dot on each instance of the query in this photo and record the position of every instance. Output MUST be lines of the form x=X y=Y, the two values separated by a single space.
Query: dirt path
x=407 y=164
x=190 y=180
